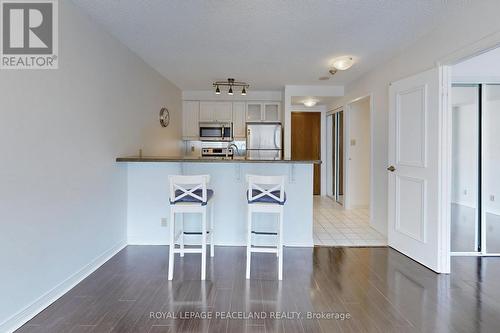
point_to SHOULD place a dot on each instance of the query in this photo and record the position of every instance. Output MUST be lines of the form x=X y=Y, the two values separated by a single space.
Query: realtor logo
x=29 y=34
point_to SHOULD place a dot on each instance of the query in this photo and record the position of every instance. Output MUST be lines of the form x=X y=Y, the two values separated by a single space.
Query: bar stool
x=189 y=194
x=265 y=194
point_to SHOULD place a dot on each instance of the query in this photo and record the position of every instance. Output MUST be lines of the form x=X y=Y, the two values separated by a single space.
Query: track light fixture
x=231 y=83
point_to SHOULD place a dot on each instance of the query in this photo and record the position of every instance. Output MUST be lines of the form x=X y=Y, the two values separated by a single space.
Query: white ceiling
x=268 y=43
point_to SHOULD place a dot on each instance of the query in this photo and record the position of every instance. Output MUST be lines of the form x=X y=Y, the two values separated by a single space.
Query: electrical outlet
x=192 y=149
x=465 y=192
x=492 y=197
x=163 y=222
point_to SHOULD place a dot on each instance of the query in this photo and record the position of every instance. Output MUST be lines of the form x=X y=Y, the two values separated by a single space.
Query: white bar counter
x=148 y=198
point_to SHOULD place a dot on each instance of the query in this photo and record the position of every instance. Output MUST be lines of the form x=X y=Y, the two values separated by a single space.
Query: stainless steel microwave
x=216 y=131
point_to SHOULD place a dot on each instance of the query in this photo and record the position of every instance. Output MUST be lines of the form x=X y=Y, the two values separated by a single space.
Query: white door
x=416 y=226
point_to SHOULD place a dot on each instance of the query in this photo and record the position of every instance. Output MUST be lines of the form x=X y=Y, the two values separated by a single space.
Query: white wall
x=458 y=31
x=483 y=68
x=358 y=148
x=62 y=196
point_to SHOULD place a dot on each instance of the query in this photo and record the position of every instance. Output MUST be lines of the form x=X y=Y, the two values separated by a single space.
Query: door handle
x=391 y=168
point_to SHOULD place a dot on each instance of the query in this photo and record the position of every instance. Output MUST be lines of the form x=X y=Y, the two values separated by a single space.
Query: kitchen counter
x=148 y=198
x=209 y=159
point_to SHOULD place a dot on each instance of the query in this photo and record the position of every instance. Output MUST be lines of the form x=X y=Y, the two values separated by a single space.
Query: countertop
x=209 y=159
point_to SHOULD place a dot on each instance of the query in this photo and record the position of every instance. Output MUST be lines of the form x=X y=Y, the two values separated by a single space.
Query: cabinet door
x=190 y=116
x=254 y=111
x=207 y=111
x=239 y=120
x=272 y=112
x=224 y=111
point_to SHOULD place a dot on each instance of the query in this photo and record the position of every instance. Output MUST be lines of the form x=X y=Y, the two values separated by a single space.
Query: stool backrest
x=266 y=186
x=186 y=186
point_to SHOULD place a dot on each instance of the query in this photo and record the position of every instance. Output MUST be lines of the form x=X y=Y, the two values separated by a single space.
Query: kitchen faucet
x=232 y=145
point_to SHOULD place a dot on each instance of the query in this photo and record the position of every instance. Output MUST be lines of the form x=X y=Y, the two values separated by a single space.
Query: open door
x=417 y=145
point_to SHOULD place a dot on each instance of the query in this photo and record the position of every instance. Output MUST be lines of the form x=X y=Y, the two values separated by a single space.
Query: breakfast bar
x=148 y=197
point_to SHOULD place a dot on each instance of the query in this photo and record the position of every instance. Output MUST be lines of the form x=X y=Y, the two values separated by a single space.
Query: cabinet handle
x=391 y=168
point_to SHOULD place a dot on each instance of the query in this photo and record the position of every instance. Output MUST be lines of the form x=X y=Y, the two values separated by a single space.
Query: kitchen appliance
x=217 y=152
x=210 y=131
x=264 y=141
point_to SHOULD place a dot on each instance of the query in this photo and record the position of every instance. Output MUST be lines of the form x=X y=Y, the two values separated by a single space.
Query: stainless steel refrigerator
x=264 y=141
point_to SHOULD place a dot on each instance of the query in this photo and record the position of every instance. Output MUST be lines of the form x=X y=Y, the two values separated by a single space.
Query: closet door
x=465 y=215
x=490 y=168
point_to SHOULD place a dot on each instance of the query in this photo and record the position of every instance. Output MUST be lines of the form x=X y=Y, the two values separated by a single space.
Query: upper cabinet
x=263 y=112
x=239 y=126
x=216 y=112
x=190 y=119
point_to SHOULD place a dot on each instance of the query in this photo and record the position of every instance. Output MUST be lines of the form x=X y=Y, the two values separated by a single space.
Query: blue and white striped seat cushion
x=266 y=198
x=190 y=199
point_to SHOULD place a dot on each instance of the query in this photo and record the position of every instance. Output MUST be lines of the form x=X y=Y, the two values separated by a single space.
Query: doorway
x=335 y=123
x=306 y=142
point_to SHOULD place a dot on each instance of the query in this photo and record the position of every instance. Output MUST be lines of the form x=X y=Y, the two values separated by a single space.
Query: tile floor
x=335 y=226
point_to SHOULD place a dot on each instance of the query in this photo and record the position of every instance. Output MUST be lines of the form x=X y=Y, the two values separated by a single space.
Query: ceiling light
x=231 y=83
x=342 y=63
x=310 y=103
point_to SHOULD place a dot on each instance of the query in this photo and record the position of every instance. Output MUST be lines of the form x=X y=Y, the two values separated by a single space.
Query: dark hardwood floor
x=379 y=289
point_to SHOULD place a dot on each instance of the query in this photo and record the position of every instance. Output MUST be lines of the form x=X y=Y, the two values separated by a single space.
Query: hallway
x=335 y=226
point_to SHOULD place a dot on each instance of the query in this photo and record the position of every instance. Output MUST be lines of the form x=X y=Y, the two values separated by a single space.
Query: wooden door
x=306 y=141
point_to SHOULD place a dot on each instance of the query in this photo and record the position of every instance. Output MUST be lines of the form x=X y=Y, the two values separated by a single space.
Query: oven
x=216 y=131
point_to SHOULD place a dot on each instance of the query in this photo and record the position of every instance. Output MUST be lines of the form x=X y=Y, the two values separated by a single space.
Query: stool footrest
x=194 y=232
x=264 y=249
x=264 y=233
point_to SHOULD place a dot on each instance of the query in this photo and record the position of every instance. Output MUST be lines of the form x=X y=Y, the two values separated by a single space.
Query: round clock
x=164 y=117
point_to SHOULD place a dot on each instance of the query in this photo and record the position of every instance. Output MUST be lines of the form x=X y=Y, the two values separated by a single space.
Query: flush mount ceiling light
x=338 y=64
x=231 y=83
x=310 y=103
x=342 y=63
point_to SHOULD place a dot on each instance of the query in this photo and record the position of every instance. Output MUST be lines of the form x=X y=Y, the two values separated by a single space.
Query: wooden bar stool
x=189 y=194
x=265 y=194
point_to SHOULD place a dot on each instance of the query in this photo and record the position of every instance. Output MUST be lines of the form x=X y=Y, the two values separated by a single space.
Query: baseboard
x=21 y=317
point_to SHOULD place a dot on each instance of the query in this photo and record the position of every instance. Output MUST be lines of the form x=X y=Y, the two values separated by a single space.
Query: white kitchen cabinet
x=239 y=127
x=216 y=111
x=271 y=112
x=263 y=112
x=190 y=119
x=224 y=111
x=207 y=111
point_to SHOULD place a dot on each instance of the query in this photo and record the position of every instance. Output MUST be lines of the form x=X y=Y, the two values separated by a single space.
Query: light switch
x=163 y=222
x=492 y=197
x=353 y=142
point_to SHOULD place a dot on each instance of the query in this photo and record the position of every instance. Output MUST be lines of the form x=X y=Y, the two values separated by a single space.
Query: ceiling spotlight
x=231 y=83
x=310 y=103
x=342 y=63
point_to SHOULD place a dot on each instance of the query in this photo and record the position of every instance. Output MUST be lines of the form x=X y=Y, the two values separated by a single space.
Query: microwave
x=216 y=131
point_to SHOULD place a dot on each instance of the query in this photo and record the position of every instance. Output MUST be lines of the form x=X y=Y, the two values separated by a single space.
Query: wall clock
x=164 y=117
